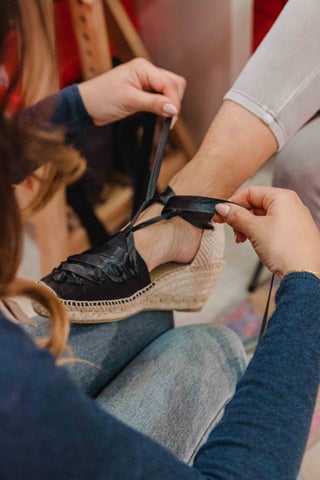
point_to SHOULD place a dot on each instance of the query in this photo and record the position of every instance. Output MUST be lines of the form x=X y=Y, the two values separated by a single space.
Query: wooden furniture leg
x=92 y=36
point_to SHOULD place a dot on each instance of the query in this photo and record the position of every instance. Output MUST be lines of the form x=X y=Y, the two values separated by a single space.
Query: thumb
x=237 y=217
x=155 y=103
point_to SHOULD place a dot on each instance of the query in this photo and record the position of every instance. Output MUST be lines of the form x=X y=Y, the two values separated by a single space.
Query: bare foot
x=173 y=240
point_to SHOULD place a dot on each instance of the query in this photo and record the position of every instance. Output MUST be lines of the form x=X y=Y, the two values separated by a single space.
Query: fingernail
x=236 y=237
x=222 y=209
x=169 y=109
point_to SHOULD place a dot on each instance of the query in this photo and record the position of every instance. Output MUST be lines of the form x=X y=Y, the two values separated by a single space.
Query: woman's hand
x=132 y=87
x=279 y=226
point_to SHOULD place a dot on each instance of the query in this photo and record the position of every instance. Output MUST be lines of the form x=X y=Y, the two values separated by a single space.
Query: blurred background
x=208 y=42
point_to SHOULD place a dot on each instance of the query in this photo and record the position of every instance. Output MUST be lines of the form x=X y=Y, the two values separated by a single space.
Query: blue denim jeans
x=107 y=348
x=157 y=379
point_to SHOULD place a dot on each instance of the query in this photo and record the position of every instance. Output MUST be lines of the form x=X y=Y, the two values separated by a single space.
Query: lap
x=107 y=348
x=176 y=389
x=171 y=384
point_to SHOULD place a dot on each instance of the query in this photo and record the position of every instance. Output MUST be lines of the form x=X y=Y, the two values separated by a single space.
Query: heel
x=187 y=287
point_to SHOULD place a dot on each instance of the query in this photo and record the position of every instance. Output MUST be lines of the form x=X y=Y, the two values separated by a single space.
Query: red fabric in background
x=129 y=6
x=8 y=71
x=265 y=14
x=67 y=49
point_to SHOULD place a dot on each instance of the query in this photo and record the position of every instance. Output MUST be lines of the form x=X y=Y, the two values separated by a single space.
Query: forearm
x=236 y=145
x=265 y=427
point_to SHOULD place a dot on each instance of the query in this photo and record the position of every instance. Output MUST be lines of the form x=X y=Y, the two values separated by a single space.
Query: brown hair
x=22 y=146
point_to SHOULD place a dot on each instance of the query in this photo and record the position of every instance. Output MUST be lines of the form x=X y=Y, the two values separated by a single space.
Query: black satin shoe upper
x=111 y=271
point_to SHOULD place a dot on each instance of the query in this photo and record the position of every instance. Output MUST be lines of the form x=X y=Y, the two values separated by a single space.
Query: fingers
x=238 y=218
x=169 y=87
x=279 y=226
x=178 y=80
x=257 y=198
x=266 y=200
x=132 y=87
x=155 y=103
x=239 y=237
x=259 y=212
x=261 y=205
x=172 y=86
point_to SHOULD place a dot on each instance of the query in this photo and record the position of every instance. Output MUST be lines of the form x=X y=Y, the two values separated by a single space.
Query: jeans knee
x=231 y=347
x=210 y=345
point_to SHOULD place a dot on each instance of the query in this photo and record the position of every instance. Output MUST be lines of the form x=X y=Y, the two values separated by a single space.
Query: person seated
x=176 y=389
x=184 y=375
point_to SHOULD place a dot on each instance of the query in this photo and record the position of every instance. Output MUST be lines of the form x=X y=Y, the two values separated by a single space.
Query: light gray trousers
x=281 y=85
x=297 y=167
x=281 y=82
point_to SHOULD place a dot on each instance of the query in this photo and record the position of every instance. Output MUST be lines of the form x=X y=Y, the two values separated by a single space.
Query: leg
x=109 y=347
x=176 y=389
x=298 y=167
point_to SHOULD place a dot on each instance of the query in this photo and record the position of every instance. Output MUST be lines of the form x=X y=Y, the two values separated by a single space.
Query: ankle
x=172 y=240
x=154 y=244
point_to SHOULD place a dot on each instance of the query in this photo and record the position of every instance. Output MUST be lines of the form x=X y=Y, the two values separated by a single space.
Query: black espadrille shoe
x=111 y=282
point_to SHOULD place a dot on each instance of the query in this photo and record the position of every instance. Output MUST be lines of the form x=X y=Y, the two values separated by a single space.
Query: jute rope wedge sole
x=111 y=282
x=173 y=286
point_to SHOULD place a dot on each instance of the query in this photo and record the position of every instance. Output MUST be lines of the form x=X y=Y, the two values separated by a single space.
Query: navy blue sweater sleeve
x=63 y=110
x=49 y=429
x=264 y=430
x=70 y=113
